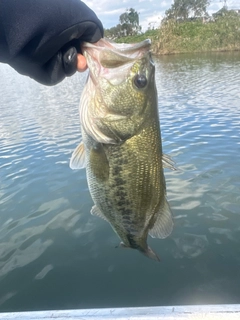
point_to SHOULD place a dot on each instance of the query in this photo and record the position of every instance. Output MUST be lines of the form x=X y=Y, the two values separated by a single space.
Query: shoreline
x=173 y=37
x=220 y=50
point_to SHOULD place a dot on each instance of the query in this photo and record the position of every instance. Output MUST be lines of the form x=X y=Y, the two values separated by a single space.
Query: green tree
x=114 y=32
x=183 y=9
x=224 y=12
x=128 y=25
x=129 y=22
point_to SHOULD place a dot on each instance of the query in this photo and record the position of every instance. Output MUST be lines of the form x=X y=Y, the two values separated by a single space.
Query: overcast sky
x=150 y=11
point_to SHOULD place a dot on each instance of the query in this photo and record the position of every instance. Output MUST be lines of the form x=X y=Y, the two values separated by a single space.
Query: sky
x=150 y=11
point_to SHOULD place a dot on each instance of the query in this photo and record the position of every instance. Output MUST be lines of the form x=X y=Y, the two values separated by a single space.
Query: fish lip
x=105 y=43
x=130 y=52
x=91 y=74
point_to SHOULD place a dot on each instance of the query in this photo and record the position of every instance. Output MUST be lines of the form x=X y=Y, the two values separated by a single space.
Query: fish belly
x=126 y=182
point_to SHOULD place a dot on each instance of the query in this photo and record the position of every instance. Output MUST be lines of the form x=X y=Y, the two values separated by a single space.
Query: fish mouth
x=111 y=54
x=104 y=57
x=106 y=44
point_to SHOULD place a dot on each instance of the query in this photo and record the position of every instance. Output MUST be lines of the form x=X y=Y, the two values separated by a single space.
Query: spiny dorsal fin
x=78 y=158
x=95 y=211
x=164 y=223
x=167 y=162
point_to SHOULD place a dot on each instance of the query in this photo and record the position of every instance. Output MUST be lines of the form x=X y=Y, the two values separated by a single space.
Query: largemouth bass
x=121 y=143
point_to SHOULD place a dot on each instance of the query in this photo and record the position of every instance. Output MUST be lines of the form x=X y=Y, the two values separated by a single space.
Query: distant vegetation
x=222 y=34
x=186 y=27
x=128 y=25
x=183 y=9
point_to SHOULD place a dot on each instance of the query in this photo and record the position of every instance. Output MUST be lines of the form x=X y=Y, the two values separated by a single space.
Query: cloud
x=116 y=11
x=152 y=21
x=151 y=11
x=109 y=11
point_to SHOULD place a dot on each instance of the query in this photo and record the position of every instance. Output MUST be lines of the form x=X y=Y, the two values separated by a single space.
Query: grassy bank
x=223 y=34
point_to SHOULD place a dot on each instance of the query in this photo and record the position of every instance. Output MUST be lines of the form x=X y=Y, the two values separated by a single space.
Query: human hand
x=46 y=38
x=73 y=61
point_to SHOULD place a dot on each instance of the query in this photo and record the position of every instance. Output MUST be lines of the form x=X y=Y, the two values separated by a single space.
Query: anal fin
x=164 y=223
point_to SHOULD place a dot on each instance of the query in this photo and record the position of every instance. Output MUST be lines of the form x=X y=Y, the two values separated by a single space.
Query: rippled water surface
x=55 y=255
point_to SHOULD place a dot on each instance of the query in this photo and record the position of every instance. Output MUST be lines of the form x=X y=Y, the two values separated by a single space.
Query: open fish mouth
x=104 y=57
x=125 y=48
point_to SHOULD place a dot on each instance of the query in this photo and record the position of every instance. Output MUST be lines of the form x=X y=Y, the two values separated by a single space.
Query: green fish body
x=121 y=143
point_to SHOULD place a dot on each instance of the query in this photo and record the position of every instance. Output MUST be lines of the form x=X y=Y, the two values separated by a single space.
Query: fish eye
x=140 y=81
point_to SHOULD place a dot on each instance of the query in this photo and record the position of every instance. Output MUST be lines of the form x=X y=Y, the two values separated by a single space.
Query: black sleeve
x=41 y=38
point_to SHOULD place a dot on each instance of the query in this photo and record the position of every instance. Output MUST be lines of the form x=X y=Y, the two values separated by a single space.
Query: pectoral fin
x=98 y=163
x=164 y=223
x=78 y=159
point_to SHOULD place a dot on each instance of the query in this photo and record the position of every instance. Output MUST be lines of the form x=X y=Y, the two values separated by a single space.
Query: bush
x=193 y=36
x=196 y=36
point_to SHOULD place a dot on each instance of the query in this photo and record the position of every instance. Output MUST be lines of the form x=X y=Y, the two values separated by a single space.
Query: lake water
x=55 y=255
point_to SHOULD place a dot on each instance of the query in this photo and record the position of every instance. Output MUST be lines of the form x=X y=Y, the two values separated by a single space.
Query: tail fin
x=147 y=251
x=150 y=254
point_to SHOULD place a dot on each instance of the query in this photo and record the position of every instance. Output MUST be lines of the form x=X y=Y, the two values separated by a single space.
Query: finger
x=81 y=63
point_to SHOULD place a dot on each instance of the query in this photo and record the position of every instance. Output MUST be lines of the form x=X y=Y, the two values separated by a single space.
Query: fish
x=121 y=145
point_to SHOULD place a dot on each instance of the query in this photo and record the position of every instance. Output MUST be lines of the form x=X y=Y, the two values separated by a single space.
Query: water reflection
x=190 y=245
x=54 y=254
